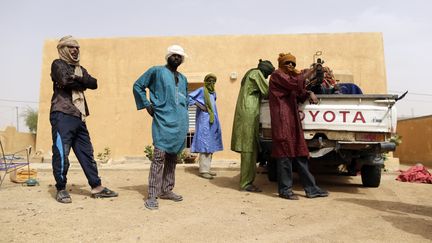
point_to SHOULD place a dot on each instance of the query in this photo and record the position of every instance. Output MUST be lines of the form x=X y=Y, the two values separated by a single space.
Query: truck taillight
x=370 y=137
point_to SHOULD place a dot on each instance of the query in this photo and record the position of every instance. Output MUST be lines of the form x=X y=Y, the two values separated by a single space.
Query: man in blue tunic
x=168 y=106
x=208 y=136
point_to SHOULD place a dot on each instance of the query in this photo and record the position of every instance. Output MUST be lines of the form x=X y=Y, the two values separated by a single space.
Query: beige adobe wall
x=14 y=141
x=416 y=146
x=118 y=62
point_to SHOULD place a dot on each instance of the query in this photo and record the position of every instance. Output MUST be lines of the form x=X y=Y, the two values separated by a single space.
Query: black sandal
x=63 y=197
x=105 y=193
x=251 y=188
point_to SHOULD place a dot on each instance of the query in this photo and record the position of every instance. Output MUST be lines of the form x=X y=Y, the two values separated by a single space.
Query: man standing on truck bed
x=287 y=87
x=244 y=139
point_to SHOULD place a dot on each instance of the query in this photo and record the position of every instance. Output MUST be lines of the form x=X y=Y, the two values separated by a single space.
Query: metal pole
x=17 y=118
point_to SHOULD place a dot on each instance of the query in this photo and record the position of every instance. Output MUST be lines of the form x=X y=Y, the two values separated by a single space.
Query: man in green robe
x=168 y=106
x=244 y=139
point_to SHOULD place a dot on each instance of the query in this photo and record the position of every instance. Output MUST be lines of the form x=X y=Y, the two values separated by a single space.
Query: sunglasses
x=289 y=62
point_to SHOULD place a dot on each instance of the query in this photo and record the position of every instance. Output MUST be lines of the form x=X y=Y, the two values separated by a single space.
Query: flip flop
x=105 y=193
x=212 y=173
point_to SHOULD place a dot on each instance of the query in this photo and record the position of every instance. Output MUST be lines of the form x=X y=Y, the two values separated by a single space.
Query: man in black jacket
x=67 y=116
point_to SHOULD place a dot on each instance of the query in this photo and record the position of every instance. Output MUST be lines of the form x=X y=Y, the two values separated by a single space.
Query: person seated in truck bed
x=322 y=80
x=348 y=88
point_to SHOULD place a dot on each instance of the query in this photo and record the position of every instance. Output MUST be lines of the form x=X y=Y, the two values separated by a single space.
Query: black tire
x=272 y=170
x=371 y=175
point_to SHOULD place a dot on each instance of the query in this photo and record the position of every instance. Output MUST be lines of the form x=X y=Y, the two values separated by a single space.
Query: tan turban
x=287 y=57
x=78 y=98
x=284 y=57
x=63 y=50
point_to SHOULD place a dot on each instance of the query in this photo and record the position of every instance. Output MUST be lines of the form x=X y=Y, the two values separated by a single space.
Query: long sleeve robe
x=285 y=91
x=207 y=137
x=170 y=105
x=246 y=118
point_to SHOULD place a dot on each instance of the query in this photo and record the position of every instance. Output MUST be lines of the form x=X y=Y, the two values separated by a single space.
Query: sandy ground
x=215 y=211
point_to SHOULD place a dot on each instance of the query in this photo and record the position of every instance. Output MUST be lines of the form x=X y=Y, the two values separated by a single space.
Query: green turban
x=209 y=84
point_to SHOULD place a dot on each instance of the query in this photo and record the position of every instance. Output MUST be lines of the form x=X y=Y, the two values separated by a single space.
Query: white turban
x=175 y=49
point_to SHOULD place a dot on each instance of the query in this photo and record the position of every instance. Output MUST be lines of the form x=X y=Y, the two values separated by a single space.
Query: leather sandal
x=289 y=196
x=63 y=197
x=171 y=196
x=206 y=175
x=151 y=203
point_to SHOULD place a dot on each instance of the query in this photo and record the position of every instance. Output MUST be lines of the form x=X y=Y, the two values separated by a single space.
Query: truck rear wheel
x=371 y=175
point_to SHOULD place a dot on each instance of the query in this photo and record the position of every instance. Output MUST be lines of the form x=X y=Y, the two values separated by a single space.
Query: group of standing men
x=285 y=90
x=168 y=106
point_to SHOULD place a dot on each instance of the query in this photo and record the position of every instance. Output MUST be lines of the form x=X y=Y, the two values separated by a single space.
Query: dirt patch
x=216 y=211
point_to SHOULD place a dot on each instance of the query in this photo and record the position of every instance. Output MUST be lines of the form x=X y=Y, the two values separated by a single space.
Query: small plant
x=149 y=151
x=396 y=138
x=31 y=117
x=181 y=157
x=184 y=157
x=105 y=156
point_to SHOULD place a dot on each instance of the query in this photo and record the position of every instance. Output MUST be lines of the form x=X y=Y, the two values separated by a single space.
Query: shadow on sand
x=407 y=217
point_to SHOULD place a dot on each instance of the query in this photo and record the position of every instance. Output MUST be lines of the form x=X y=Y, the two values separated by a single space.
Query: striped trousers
x=162 y=173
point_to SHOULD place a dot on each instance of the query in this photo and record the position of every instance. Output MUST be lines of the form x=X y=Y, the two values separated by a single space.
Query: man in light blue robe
x=168 y=106
x=208 y=136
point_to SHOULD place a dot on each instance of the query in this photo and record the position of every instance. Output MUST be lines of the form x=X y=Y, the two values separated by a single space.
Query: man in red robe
x=286 y=89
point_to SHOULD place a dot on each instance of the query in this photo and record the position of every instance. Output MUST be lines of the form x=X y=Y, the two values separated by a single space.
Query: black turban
x=266 y=67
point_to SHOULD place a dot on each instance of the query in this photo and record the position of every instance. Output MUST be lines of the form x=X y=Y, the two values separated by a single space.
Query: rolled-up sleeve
x=139 y=89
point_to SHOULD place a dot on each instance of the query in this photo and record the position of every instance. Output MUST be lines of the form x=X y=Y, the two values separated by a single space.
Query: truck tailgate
x=354 y=113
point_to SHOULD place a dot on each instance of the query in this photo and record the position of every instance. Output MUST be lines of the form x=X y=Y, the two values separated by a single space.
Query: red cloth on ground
x=417 y=173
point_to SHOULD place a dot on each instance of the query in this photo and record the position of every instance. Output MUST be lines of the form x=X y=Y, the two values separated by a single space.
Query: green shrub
x=183 y=157
x=105 y=156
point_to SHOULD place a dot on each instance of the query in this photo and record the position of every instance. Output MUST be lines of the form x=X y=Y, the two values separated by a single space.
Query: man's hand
x=312 y=98
x=199 y=105
x=150 y=110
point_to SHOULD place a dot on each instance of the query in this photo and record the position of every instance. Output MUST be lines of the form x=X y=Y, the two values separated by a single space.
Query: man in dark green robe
x=244 y=139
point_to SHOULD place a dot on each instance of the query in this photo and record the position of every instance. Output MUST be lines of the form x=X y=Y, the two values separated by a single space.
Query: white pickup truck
x=349 y=130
